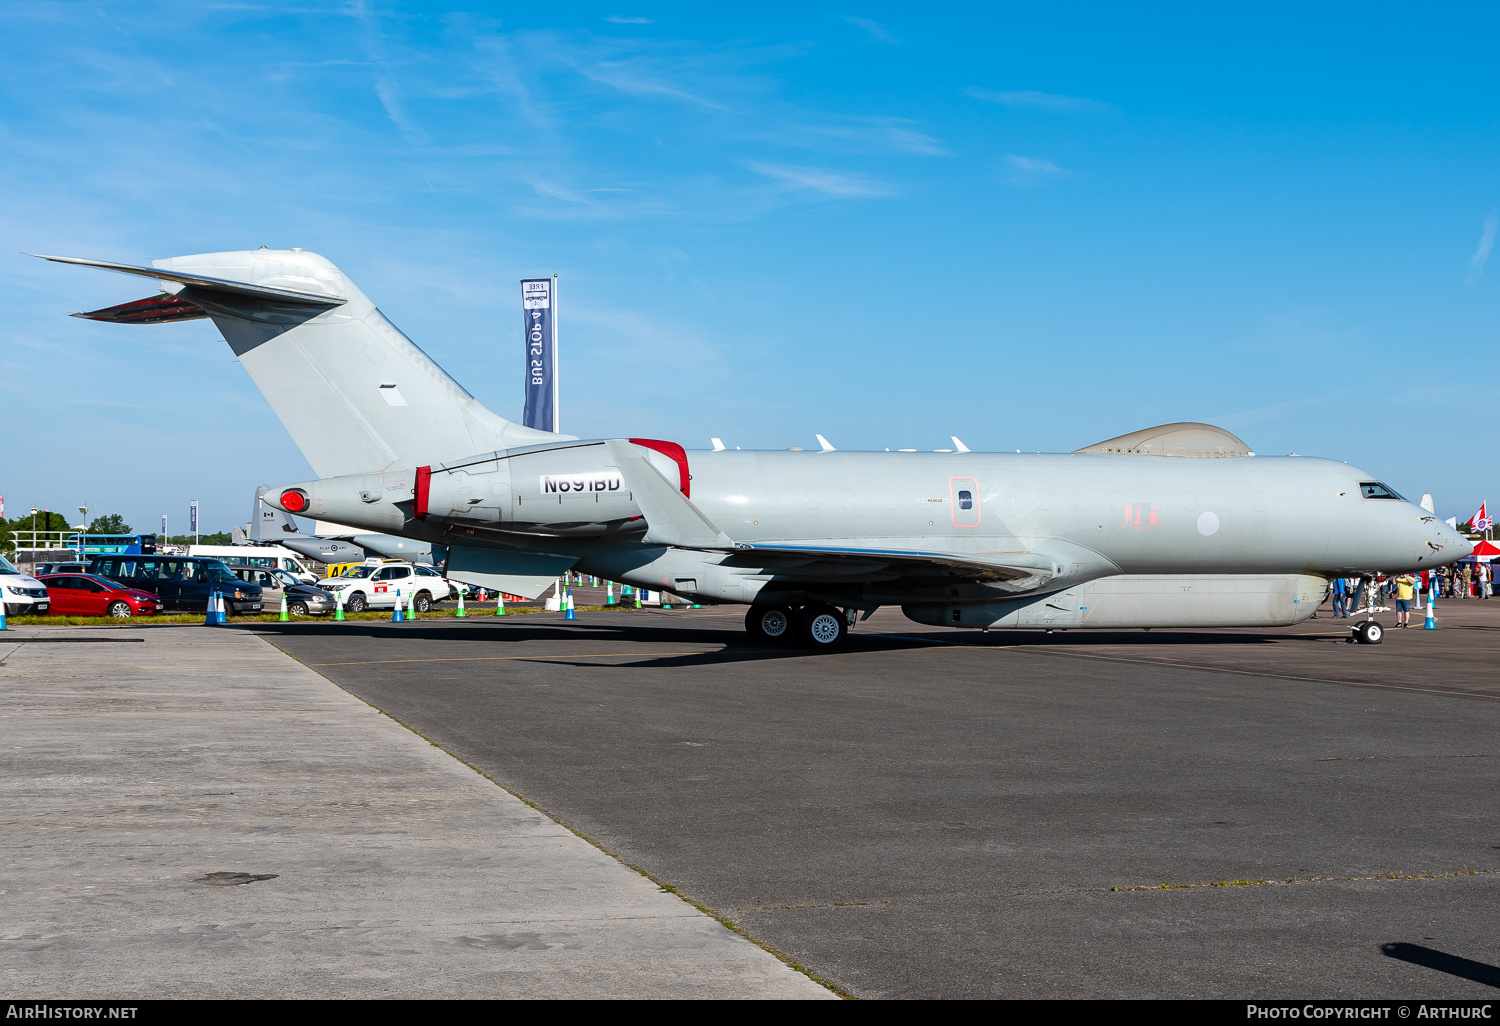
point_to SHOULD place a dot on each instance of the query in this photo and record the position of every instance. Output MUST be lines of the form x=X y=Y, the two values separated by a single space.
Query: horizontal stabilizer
x=153 y=310
x=200 y=281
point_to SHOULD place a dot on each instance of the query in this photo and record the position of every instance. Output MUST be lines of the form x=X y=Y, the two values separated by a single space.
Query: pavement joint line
x=1104 y=658
x=724 y=921
x=490 y=659
x=1424 y=875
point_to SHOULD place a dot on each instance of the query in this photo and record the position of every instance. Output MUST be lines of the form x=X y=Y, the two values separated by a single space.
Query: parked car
x=301 y=599
x=262 y=557
x=375 y=584
x=89 y=595
x=42 y=569
x=180 y=582
x=21 y=595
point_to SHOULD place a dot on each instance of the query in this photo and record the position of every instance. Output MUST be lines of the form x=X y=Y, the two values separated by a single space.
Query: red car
x=87 y=595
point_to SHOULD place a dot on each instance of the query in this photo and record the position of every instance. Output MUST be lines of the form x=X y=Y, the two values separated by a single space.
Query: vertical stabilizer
x=355 y=394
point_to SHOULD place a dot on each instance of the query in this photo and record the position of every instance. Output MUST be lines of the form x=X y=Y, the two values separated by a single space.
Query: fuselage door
x=964 y=495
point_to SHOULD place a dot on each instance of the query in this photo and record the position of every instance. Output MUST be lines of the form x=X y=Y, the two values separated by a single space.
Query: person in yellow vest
x=1404 y=585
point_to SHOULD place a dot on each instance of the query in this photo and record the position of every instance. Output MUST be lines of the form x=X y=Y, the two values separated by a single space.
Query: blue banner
x=193 y=516
x=539 y=317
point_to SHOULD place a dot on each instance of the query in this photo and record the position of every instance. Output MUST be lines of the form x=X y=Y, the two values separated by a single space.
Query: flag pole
x=556 y=361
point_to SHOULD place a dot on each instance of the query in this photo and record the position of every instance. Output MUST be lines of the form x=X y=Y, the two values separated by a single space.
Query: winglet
x=959 y=446
x=824 y=443
x=671 y=517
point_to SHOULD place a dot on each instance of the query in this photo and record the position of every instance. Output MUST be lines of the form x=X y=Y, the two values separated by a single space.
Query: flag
x=1482 y=521
x=539 y=327
x=193 y=516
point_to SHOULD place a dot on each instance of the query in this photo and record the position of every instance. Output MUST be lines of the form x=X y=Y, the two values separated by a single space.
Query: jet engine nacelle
x=570 y=487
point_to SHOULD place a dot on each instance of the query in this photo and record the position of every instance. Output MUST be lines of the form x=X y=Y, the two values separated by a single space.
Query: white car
x=376 y=584
x=22 y=595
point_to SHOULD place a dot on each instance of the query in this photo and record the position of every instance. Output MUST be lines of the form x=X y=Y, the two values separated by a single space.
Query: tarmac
x=925 y=813
x=938 y=813
x=188 y=812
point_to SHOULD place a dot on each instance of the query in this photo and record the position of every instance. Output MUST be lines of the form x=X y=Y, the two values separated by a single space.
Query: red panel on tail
x=677 y=454
x=424 y=483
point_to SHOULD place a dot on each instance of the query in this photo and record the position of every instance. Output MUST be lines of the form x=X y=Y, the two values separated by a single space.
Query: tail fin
x=269 y=523
x=356 y=395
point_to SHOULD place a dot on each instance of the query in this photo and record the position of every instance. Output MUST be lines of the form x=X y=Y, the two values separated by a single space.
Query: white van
x=262 y=557
x=22 y=595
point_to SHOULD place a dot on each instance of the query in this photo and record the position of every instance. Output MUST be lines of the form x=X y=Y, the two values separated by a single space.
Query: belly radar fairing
x=1180 y=525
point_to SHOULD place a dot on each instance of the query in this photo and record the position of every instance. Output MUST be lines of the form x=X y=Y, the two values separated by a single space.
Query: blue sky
x=1033 y=226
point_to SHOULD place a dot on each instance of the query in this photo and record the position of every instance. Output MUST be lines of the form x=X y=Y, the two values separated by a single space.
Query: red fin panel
x=677 y=454
x=156 y=310
x=424 y=483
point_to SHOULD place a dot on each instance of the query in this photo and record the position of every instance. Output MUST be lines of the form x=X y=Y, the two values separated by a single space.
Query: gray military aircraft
x=1175 y=526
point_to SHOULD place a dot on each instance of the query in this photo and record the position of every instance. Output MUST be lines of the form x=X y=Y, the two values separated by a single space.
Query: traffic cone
x=3 y=627
x=460 y=604
x=411 y=606
x=609 y=593
x=499 y=603
x=1431 y=624
x=398 y=615
x=637 y=595
x=338 y=605
x=283 y=617
x=570 y=615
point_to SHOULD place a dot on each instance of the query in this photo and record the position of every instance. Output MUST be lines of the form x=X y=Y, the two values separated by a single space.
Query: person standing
x=1465 y=582
x=1403 y=600
x=1482 y=576
x=1340 y=598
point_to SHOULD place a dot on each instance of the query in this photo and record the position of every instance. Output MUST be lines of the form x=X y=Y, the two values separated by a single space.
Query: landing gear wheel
x=119 y=610
x=822 y=628
x=422 y=603
x=297 y=608
x=1369 y=633
x=768 y=623
x=356 y=603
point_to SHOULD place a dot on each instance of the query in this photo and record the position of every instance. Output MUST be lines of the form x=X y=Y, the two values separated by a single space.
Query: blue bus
x=113 y=544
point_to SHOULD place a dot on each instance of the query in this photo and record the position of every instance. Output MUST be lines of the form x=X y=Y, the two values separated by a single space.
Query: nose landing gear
x=1368 y=633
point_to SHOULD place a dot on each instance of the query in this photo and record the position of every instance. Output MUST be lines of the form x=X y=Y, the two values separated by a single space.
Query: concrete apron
x=136 y=770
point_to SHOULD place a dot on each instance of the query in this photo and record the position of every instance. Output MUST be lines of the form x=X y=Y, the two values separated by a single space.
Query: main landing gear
x=818 y=627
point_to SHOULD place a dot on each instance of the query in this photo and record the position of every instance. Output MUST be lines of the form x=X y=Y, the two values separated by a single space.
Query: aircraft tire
x=822 y=628
x=1370 y=633
x=768 y=623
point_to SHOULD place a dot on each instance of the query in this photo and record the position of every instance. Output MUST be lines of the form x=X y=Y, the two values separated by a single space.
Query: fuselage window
x=1376 y=490
x=965 y=500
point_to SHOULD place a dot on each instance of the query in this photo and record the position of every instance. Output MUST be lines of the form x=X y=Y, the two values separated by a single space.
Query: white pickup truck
x=375 y=584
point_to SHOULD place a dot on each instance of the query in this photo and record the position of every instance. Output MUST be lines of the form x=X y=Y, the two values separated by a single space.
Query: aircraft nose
x=1454 y=545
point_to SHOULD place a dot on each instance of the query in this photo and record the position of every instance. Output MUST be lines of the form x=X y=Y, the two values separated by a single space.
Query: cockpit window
x=1376 y=490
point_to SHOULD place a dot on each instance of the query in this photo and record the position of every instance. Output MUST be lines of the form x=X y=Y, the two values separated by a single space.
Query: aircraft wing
x=800 y=560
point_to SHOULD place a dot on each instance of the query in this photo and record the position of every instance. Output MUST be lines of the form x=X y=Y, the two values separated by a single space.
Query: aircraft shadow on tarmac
x=1453 y=965
x=733 y=645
